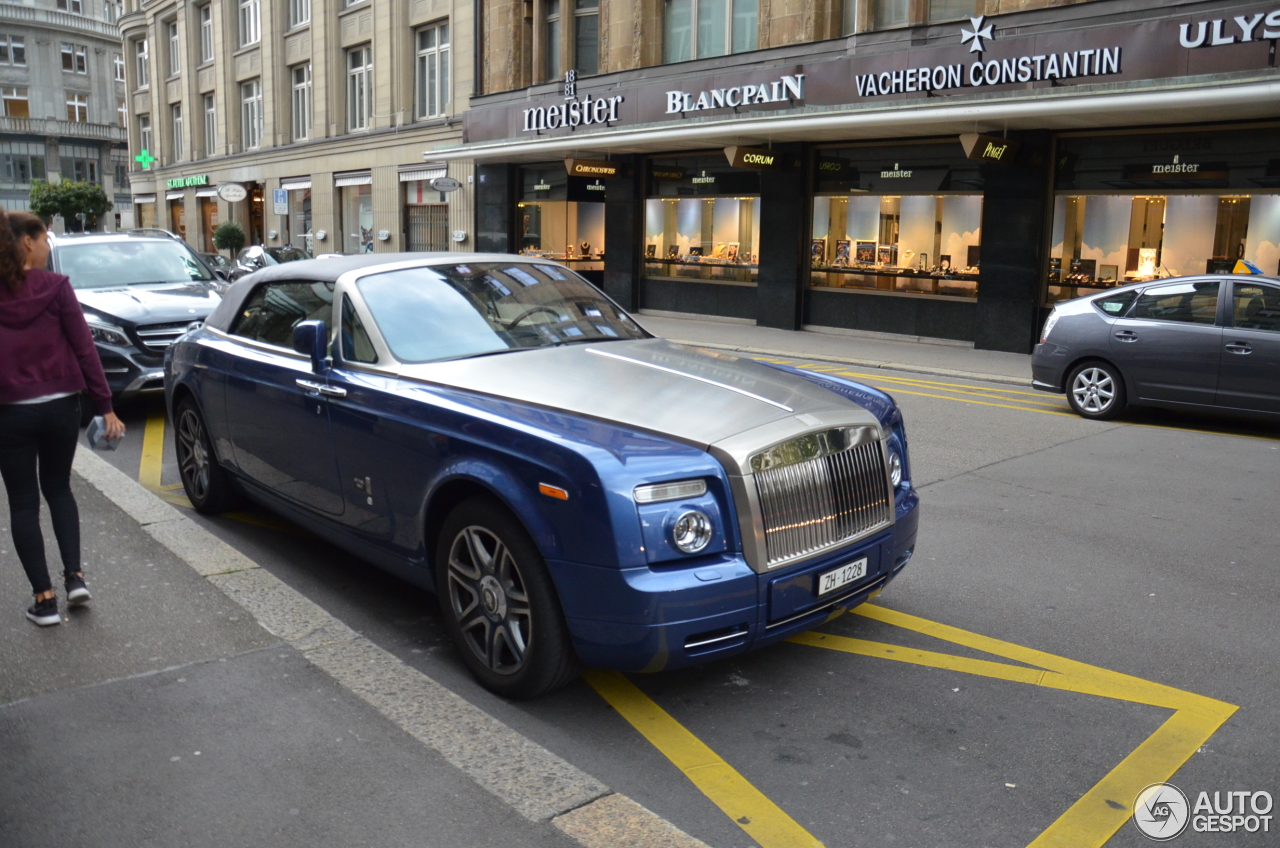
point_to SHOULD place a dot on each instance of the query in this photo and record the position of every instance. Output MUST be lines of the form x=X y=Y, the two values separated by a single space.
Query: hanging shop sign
x=445 y=184
x=232 y=192
x=183 y=182
x=753 y=157
x=989 y=148
x=666 y=172
x=591 y=168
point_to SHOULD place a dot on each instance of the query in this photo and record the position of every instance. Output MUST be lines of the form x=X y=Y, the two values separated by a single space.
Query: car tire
x=1095 y=390
x=499 y=603
x=207 y=484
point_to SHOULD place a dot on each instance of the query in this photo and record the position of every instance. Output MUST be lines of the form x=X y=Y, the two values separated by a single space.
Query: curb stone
x=532 y=780
x=864 y=363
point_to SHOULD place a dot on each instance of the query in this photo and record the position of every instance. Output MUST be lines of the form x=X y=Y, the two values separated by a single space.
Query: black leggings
x=46 y=432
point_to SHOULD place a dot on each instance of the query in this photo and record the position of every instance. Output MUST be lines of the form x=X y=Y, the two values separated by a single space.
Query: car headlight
x=895 y=468
x=691 y=532
x=671 y=491
x=108 y=334
x=1048 y=325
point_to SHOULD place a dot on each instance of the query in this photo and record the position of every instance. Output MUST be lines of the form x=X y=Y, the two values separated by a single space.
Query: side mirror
x=311 y=338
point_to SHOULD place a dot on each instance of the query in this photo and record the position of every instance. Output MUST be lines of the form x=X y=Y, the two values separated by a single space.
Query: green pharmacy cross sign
x=144 y=159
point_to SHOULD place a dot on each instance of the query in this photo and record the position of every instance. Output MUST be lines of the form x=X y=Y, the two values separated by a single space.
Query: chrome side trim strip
x=736 y=635
x=598 y=352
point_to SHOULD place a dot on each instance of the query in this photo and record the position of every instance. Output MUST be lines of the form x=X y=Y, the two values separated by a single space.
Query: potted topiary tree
x=229 y=236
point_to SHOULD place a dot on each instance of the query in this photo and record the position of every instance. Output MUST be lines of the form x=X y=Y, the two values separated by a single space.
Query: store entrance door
x=256 y=201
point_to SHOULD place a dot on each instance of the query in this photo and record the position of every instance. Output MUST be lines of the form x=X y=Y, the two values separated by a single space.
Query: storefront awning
x=353 y=179
x=174 y=195
x=301 y=185
x=144 y=198
x=1063 y=108
x=423 y=174
x=207 y=192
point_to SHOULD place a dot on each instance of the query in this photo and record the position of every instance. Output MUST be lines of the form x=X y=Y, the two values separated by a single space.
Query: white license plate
x=844 y=575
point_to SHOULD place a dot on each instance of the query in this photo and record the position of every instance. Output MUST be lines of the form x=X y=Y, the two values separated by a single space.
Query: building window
x=551 y=31
x=251 y=113
x=78 y=162
x=78 y=108
x=13 y=50
x=16 y=104
x=299 y=12
x=175 y=51
x=210 y=125
x=888 y=14
x=849 y=17
x=117 y=62
x=359 y=87
x=301 y=102
x=206 y=33
x=142 y=62
x=122 y=113
x=696 y=29
x=433 y=70
x=175 y=120
x=953 y=10
x=144 y=135
x=113 y=11
x=73 y=6
x=702 y=220
x=75 y=58
x=586 y=36
x=250 y=22
x=20 y=163
x=350 y=3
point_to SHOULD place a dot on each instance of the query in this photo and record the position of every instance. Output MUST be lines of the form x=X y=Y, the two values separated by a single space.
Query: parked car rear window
x=452 y=311
x=108 y=264
x=1194 y=303
x=272 y=311
x=1115 y=304
x=1256 y=307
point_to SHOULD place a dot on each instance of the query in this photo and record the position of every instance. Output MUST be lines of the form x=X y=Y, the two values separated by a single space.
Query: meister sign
x=578 y=111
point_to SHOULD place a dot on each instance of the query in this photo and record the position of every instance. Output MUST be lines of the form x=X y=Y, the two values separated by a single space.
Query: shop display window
x=702 y=220
x=299 y=223
x=1145 y=206
x=905 y=220
x=146 y=214
x=178 y=218
x=357 y=218
x=562 y=218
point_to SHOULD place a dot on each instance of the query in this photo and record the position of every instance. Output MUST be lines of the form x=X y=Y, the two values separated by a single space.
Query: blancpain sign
x=788 y=88
x=1017 y=69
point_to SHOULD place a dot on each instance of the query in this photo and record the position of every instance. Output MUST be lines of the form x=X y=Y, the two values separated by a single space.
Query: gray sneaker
x=77 y=592
x=44 y=613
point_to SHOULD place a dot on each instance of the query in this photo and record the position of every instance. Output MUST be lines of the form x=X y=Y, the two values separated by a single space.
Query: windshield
x=276 y=255
x=451 y=311
x=109 y=264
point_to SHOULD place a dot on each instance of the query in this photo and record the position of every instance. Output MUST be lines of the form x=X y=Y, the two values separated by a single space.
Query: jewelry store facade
x=948 y=181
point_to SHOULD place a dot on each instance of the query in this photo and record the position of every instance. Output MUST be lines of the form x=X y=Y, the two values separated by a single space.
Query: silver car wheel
x=487 y=595
x=1093 y=390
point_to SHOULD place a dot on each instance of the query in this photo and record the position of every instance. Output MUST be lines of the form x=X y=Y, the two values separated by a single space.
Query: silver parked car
x=1187 y=342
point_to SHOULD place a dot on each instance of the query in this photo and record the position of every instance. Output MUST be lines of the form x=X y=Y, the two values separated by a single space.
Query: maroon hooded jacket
x=45 y=344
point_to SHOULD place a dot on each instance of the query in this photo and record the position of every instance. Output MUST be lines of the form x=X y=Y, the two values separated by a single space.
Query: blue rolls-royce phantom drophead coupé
x=572 y=488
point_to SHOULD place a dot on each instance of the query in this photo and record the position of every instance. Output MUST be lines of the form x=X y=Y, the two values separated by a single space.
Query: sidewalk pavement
x=199 y=701
x=864 y=349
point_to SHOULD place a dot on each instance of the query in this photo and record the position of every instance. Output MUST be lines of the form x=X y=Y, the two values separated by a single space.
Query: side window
x=1256 y=307
x=356 y=346
x=274 y=309
x=1116 y=304
x=1191 y=303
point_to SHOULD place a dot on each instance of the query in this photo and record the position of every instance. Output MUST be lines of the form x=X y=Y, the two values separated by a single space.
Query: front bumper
x=651 y=619
x=131 y=372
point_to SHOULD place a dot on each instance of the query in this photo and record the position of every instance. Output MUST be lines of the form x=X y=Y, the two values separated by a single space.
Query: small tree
x=228 y=236
x=68 y=198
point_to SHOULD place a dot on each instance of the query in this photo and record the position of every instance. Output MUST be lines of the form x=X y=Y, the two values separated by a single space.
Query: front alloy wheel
x=1096 y=391
x=487 y=596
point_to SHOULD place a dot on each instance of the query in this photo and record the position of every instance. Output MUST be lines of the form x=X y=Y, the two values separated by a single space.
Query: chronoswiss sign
x=1016 y=69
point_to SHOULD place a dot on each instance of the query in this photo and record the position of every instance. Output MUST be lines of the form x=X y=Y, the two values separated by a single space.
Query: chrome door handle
x=1239 y=347
x=1127 y=336
x=321 y=388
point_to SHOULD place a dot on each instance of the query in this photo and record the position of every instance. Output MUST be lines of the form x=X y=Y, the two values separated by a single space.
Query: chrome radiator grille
x=820 y=491
x=157 y=337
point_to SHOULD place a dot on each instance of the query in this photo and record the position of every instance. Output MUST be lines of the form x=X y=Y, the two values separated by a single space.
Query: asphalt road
x=1141 y=550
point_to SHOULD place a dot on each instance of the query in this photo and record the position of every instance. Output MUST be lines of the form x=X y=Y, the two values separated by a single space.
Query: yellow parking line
x=152 y=452
x=763 y=820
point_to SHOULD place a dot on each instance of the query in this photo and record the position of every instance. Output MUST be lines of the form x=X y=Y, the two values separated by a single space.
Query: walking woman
x=47 y=358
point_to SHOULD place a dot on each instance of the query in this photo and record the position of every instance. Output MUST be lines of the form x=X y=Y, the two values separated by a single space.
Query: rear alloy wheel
x=499 y=603
x=204 y=480
x=1095 y=390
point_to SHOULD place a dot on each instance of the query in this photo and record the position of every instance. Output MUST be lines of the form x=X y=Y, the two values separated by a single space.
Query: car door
x=1169 y=344
x=1249 y=373
x=277 y=411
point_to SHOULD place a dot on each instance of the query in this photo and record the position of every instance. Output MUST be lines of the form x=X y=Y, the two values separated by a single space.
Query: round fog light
x=692 y=532
x=895 y=469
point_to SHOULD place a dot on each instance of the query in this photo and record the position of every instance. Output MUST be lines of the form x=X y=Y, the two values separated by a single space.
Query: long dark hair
x=13 y=226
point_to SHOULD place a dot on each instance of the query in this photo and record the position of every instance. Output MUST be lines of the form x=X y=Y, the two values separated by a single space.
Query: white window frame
x=13 y=45
x=299 y=13
x=117 y=63
x=75 y=7
x=250 y=22
x=300 y=101
x=175 y=48
x=78 y=55
x=142 y=62
x=251 y=114
x=145 y=141
x=122 y=113
x=175 y=123
x=432 y=77
x=693 y=30
x=359 y=88
x=77 y=108
x=11 y=94
x=210 y=124
x=206 y=33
